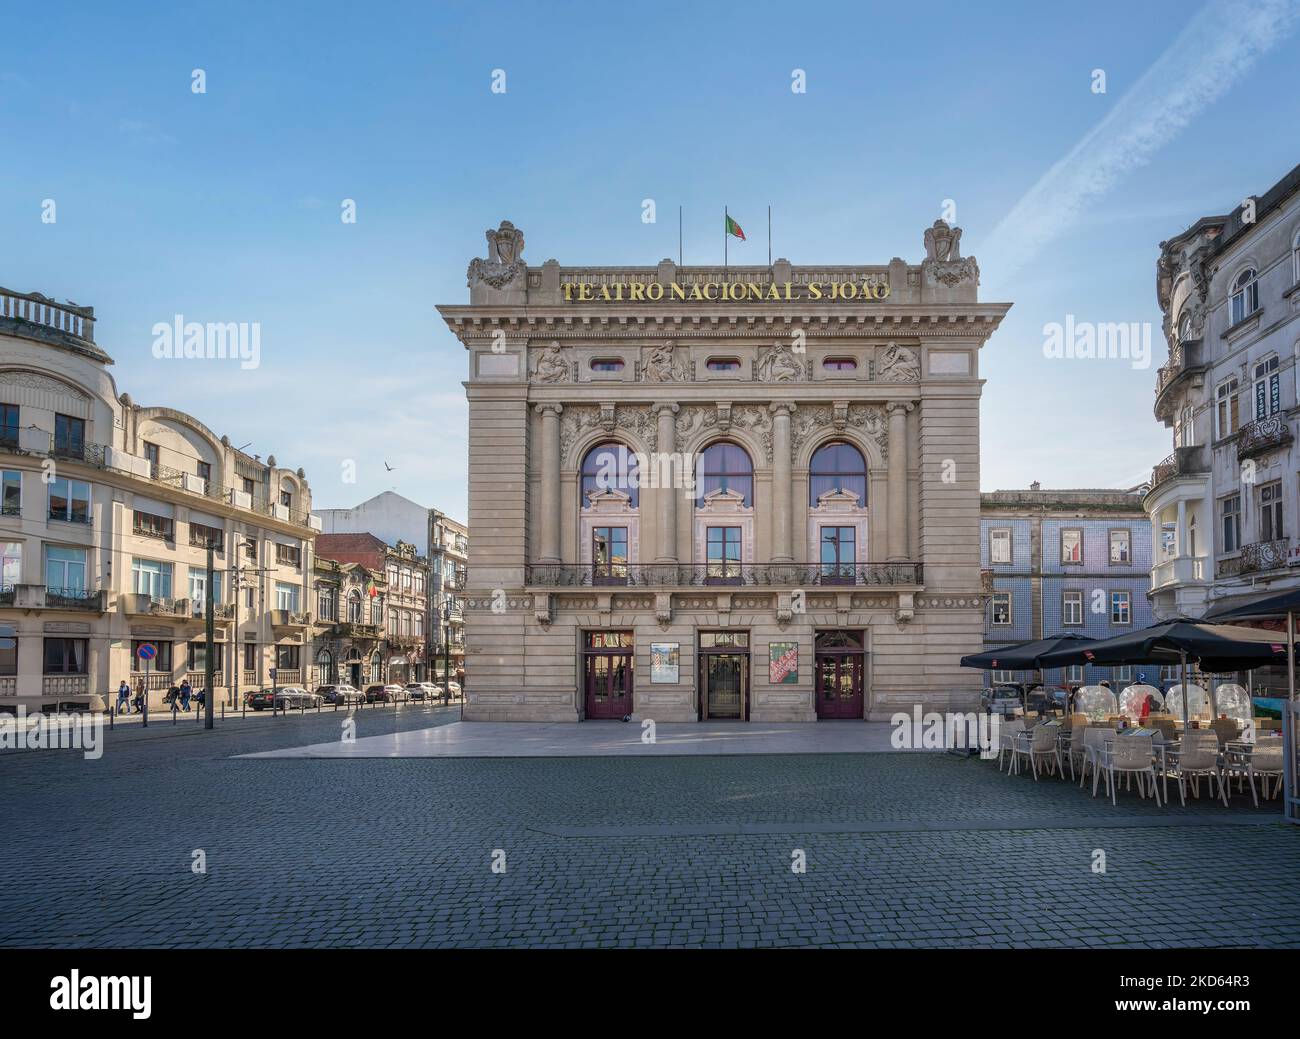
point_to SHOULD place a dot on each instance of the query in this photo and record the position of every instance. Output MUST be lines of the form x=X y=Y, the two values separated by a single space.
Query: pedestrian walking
x=123 y=698
x=186 y=692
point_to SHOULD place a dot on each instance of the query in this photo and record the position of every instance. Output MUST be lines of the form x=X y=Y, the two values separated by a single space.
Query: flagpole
x=679 y=236
x=724 y=237
x=769 y=236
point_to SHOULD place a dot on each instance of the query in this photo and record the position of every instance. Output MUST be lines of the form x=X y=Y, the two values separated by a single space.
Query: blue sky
x=225 y=206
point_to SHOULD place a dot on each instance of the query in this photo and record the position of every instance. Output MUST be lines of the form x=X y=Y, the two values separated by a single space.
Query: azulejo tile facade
x=700 y=492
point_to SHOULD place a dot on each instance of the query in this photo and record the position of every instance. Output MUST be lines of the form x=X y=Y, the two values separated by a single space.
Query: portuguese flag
x=735 y=229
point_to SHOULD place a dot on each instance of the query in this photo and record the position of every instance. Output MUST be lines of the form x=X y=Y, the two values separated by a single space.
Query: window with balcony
x=65 y=656
x=9 y=425
x=69 y=435
x=1000 y=608
x=1120 y=608
x=1268 y=388
x=1000 y=545
x=1244 y=300
x=725 y=466
x=1120 y=547
x=354 y=607
x=151 y=455
x=65 y=569
x=286 y=596
x=838 y=553
x=406 y=579
x=1072 y=608
x=1225 y=414
x=286 y=499
x=722 y=547
x=152 y=578
x=325 y=603
x=160 y=664
x=1230 y=517
x=69 y=500
x=288 y=555
x=1270 y=512
x=148 y=525
x=1072 y=546
x=609 y=555
x=11 y=492
x=11 y=563
x=201 y=535
x=199 y=589
x=204 y=472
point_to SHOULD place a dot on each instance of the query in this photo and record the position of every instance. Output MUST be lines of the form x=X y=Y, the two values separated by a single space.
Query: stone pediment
x=724 y=500
x=839 y=499
x=609 y=499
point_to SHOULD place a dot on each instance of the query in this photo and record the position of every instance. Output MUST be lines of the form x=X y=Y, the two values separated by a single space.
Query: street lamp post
x=446 y=649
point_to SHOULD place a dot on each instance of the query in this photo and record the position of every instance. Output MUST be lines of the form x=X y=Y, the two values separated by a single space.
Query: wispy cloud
x=1216 y=49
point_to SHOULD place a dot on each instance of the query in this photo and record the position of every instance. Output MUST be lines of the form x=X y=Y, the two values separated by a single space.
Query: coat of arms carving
x=504 y=263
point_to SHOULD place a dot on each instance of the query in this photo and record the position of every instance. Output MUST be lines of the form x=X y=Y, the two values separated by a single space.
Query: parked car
x=295 y=696
x=340 y=694
x=1003 y=699
x=422 y=691
x=260 y=699
x=384 y=693
x=453 y=689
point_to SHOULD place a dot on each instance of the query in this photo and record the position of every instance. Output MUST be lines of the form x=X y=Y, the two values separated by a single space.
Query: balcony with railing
x=355 y=630
x=140 y=604
x=1185 y=359
x=65 y=685
x=1258 y=557
x=1262 y=436
x=46 y=317
x=1179 y=570
x=1184 y=462
x=290 y=619
x=696 y=575
x=39 y=597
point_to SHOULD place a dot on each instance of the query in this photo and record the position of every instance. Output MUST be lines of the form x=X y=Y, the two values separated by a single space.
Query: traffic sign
x=147 y=651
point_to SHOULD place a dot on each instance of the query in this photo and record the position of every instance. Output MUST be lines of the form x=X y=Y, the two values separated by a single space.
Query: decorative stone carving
x=662 y=366
x=693 y=419
x=779 y=365
x=942 y=242
x=551 y=367
x=869 y=418
x=576 y=420
x=956 y=272
x=640 y=420
x=504 y=264
x=898 y=364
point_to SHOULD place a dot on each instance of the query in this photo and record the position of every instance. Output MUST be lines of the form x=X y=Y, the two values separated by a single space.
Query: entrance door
x=840 y=664
x=354 y=674
x=608 y=674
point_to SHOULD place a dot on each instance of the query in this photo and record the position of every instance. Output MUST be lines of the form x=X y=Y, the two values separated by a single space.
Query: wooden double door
x=840 y=675
x=608 y=674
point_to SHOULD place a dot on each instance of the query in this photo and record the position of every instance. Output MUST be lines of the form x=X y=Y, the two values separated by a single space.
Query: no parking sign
x=147 y=651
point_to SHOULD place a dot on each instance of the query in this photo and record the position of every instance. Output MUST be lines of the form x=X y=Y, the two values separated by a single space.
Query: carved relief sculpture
x=943 y=263
x=504 y=264
x=661 y=367
x=779 y=365
x=551 y=366
x=898 y=364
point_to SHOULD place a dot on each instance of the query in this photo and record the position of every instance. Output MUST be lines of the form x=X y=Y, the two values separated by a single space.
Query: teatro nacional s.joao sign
x=869 y=290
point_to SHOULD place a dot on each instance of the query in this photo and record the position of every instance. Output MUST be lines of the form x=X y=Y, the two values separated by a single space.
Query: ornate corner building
x=702 y=493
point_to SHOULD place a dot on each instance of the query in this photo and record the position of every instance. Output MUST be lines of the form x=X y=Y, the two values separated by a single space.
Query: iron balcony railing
x=1262 y=436
x=74 y=599
x=676 y=575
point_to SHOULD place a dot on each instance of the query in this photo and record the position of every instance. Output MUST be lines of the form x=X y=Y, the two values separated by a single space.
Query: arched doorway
x=352 y=669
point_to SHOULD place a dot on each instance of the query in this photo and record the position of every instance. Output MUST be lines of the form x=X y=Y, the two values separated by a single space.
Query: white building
x=1224 y=505
x=108 y=510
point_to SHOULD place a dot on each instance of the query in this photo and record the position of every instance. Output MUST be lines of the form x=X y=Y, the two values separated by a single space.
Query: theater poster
x=664 y=659
x=783 y=663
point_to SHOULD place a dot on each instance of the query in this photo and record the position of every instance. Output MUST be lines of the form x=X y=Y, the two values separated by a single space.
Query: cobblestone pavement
x=902 y=850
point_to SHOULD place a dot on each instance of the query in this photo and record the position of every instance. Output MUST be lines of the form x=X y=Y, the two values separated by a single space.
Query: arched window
x=354 y=607
x=1245 y=296
x=376 y=666
x=725 y=466
x=325 y=666
x=611 y=466
x=1184 y=328
x=837 y=466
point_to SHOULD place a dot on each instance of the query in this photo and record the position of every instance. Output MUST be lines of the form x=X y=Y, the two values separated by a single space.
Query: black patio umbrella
x=1217 y=647
x=1023 y=656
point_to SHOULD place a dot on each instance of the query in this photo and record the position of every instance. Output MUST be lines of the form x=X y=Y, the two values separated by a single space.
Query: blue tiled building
x=1065 y=561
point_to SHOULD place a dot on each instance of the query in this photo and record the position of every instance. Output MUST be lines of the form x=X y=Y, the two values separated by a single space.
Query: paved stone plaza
x=902 y=849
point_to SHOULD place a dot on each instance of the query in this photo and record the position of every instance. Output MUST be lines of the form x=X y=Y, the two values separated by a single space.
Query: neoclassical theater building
x=704 y=493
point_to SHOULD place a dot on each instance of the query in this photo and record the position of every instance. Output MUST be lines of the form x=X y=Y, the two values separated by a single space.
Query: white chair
x=1199 y=756
x=1129 y=756
x=1094 y=740
x=1039 y=744
x=1265 y=762
x=1007 y=733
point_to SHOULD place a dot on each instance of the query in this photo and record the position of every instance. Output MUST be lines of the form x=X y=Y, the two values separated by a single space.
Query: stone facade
x=751 y=371
x=1223 y=506
x=108 y=509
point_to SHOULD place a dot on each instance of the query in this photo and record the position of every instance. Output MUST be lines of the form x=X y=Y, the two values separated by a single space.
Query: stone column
x=549 y=539
x=897 y=479
x=782 y=483
x=1180 y=548
x=665 y=448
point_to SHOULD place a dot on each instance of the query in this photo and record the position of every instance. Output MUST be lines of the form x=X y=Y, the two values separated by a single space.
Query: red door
x=608 y=675
x=839 y=686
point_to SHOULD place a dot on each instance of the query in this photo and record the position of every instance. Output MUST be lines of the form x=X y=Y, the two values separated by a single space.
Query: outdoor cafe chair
x=1007 y=742
x=1094 y=739
x=1226 y=729
x=1166 y=727
x=1198 y=755
x=1039 y=744
x=1129 y=755
x=1266 y=762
